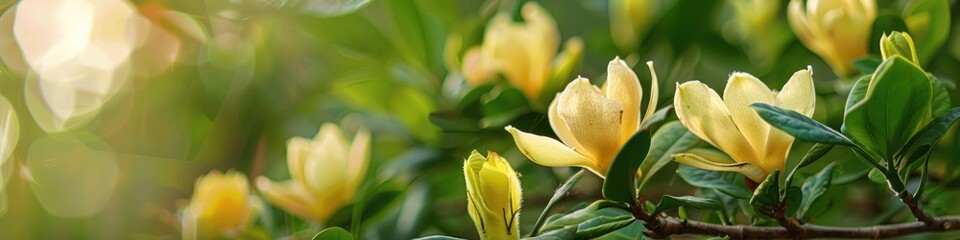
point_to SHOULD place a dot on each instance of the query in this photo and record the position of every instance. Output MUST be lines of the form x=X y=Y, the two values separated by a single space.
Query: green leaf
x=814 y=154
x=668 y=202
x=563 y=233
x=602 y=225
x=334 y=233
x=876 y=176
x=896 y=104
x=502 y=106
x=798 y=125
x=671 y=139
x=929 y=22
x=813 y=188
x=658 y=116
x=768 y=193
x=620 y=184
x=867 y=64
x=941 y=99
x=597 y=208
x=729 y=183
x=922 y=142
x=557 y=195
x=792 y=198
x=438 y=237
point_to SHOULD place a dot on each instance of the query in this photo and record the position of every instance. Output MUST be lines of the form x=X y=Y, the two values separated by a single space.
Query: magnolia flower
x=837 y=30
x=221 y=207
x=729 y=124
x=326 y=173
x=522 y=52
x=592 y=123
x=493 y=196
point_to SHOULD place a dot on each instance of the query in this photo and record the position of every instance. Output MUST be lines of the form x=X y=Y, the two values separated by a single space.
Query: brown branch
x=915 y=209
x=662 y=226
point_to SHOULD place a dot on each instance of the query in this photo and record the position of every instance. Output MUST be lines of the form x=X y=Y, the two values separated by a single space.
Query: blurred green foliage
x=271 y=70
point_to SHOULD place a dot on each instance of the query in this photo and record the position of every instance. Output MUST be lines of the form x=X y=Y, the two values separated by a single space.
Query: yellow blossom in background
x=629 y=21
x=326 y=172
x=592 y=123
x=523 y=52
x=222 y=207
x=493 y=196
x=837 y=30
x=729 y=124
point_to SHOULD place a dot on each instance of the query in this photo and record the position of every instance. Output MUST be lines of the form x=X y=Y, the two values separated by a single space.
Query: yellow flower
x=493 y=196
x=325 y=171
x=733 y=127
x=837 y=30
x=522 y=52
x=592 y=123
x=629 y=20
x=221 y=207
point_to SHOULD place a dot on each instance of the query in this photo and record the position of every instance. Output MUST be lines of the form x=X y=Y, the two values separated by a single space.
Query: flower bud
x=221 y=207
x=493 y=196
x=898 y=43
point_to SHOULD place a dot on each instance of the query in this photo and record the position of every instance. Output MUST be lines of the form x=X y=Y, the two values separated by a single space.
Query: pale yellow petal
x=290 y=197
x=594 y=119
x=654 y=94
x=551 y=153
x=297 y=151
x=702 y=112
x=624 y=87
x=359 y=159
x=563 y=132
x=797 y=95
x=741 y=91
x=749 y=170
x=326 y=167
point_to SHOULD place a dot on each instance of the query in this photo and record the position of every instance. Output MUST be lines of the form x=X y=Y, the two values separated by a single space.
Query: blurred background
x=114 y=108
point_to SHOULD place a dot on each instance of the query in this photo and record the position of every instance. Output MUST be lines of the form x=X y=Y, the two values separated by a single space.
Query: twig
x=915 y=209
x=662 y=226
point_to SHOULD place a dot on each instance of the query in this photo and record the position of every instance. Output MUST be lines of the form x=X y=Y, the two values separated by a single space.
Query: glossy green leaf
x=562 y=233
x=557 y=195
x=929 y=23
x=668 y=202
x=672 y=138
x=926 y=138
x=333 y=233
x=597 y=208
x=792 y=198
x=620 y=184
x=899 y=94
x=814 y=154
x=813 y=188
x=438 y=237
x=658 y=116
x=798 y=125
x=602 y=225
x=768 y=192
x=941 y=99
x=729 y=183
